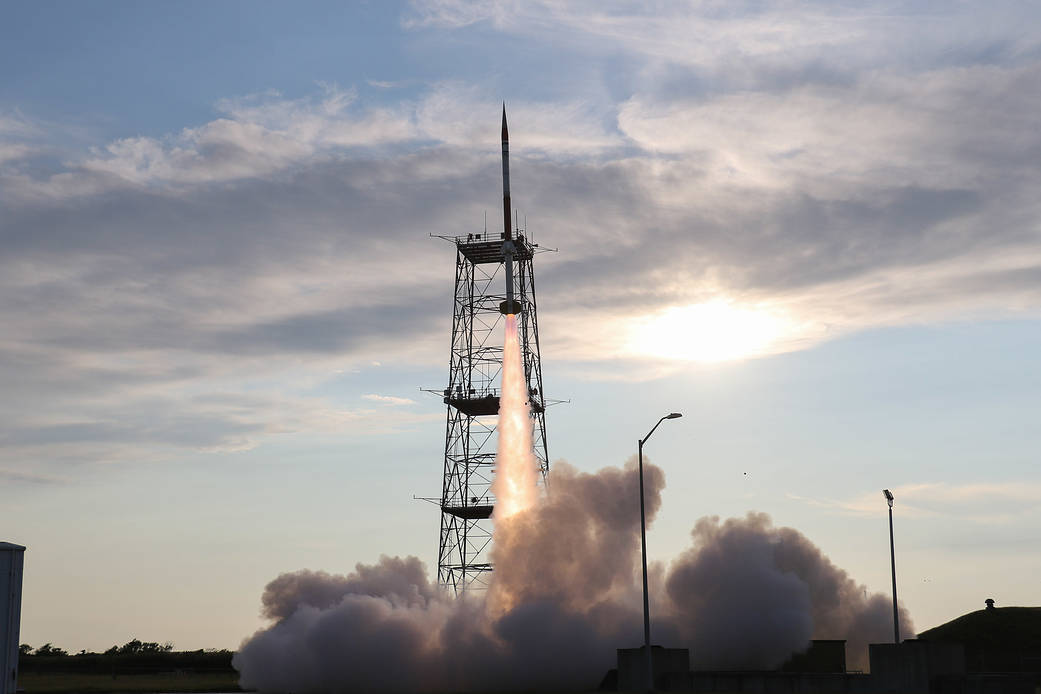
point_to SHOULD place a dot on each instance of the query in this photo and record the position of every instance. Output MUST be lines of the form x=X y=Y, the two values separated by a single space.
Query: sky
x=810 y=227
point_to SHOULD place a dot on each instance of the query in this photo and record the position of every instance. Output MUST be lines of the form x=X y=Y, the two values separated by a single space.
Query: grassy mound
x=1005 y=639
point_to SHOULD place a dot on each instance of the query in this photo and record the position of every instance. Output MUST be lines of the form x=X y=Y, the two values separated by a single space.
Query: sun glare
x=709 y=332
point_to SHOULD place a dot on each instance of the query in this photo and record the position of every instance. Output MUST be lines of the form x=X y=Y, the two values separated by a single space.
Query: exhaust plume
x=516 y=469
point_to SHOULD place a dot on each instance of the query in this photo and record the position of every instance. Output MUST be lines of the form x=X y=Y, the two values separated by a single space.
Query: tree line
x=132 y=647
x=134 y=656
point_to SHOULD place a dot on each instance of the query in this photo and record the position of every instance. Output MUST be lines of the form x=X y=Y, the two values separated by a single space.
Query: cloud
x=19 y=476
x=791 y=173
x=389 y=399
x=458 y=114
x=16 y=124
x=260 y=135
x=10 y=152
x=264 y=136
x=456 y=13
x=928 y=129
x=987 y=503
x=159 y=420
x=19 y=138
x=749 y=43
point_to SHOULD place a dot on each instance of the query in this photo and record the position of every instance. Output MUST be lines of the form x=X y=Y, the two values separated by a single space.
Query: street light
x=892 y=559
x=643 y=547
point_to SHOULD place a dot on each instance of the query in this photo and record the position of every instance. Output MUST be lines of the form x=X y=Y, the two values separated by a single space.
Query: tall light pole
x=643 y=547
x=892 y=561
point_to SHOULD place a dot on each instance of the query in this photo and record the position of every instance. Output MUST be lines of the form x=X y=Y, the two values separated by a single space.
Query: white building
x=11 y=560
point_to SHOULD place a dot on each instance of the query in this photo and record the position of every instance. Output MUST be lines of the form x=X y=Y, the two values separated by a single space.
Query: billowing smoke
x=749 y=595
x=563 y=587
x=564 y=595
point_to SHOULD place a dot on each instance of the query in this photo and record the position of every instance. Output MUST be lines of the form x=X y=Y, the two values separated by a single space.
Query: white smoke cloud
x=565 y=595
x=748 y=594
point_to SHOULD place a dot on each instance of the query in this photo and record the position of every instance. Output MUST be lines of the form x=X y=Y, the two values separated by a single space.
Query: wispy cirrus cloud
x=389 y=399
x=22 y=477
x=748 y=42
x=988 y=503
x=264 y=136
x=16 y=124
x=18 y=137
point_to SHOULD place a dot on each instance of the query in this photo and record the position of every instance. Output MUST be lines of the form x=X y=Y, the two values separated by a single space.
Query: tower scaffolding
x=472 y=400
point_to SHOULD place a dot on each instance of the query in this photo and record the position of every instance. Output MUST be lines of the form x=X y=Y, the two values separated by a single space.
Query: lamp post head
x=889 y=497
x=673 y=415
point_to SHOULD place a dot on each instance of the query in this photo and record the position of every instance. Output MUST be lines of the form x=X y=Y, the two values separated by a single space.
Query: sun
x=714 y=331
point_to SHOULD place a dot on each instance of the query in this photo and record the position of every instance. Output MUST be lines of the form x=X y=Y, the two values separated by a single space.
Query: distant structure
x=12 y=558
x=494 y=277
x=913 y=666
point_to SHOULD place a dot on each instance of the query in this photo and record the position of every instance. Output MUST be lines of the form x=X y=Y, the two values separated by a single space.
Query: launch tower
x=493 y=277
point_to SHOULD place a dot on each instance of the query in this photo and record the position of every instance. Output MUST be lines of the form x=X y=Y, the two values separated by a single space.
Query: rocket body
x=510 y=306
x=506 y=212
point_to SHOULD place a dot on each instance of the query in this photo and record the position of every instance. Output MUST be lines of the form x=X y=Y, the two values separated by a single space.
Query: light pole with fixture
x=892 y=561
x=643 y=547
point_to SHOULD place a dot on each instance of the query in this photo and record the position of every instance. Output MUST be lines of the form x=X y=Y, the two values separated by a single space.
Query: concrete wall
x=667 y=663
x=913 y=666
x=988 y=683
x=821 y=656
x=751 y=682
x=11 y=562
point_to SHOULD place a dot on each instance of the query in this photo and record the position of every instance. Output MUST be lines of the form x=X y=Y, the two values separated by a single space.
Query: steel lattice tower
x=472 y=400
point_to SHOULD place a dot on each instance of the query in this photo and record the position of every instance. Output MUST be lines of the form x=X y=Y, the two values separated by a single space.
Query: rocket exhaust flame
x=516 y=469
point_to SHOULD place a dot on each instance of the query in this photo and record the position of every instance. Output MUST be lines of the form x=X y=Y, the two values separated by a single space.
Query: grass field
x=83 y=683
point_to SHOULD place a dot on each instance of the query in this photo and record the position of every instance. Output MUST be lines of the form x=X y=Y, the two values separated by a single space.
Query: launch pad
x=472 y=400
x=494 y=278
